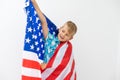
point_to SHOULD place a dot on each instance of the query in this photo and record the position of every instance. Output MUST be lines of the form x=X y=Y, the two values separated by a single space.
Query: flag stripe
x=31 y=56
x=31 y=72
x=64 y=62
x=30 y=78
x=31 y=64
x=75 y=77
x=71 y=72
x=58 y=57
x=53 y=60
x=66 y=70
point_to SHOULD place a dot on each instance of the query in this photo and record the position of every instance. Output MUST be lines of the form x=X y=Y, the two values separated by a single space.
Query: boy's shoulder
x=68 y=43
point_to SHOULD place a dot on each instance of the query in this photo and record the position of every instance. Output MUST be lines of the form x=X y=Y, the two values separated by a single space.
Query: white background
x=96 y=44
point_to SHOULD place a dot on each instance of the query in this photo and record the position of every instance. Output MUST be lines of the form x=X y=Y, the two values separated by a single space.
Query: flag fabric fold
x=62 y=64
x=60 y=67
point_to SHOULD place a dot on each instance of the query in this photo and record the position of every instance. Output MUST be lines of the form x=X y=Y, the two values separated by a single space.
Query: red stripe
x=30 y=78
x=75 y=77
x=50 y=63
x=31 y=64
x=71 y=72
x=63 y=63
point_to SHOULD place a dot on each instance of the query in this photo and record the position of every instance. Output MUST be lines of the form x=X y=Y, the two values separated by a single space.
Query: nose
x=63 y=34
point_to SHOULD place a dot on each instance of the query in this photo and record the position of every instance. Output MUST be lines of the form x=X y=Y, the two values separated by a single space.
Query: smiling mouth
x=61 y=37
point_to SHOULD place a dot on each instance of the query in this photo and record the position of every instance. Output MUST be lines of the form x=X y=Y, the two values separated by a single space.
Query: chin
x=62 y=40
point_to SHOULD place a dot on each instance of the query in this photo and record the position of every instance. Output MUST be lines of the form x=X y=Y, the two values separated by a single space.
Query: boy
x=65 y=33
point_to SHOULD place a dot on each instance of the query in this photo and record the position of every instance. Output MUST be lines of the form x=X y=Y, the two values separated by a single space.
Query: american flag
x=62 y=64
x=60 y=67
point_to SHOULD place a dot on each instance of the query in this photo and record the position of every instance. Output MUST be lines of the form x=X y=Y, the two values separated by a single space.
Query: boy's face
x=64 y=34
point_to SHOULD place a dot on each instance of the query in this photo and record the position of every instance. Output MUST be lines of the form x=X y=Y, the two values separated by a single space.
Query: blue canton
x=34 y=39
x=51 y=43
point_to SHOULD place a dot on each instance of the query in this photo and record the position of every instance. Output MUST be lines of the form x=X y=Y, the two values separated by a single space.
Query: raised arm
x=42 y=18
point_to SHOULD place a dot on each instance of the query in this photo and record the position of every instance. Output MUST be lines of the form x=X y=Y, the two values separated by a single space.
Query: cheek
x=69 y=38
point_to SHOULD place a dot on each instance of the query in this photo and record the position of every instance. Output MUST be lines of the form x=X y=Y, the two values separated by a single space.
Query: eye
x=67 y=34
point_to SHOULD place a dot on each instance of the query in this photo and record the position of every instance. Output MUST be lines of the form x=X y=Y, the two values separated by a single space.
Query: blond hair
x=72 y=27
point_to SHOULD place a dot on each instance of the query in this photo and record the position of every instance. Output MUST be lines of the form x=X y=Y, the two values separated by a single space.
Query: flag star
x=31 y=47
x=43 y=51
x=51 y=28
x=30 y=18
x=39 y=34
x=39 y=54
x=29 y=29
x=27 y=40
x=28 y=12
x=35 y=12
x=38 y=49
x=38 y=27
x=32 y=23
x=37 y=19
x=34 y=36
x=42 y=46
x=39 y=24
x=40 y=40
x=36 y=43
x=34 y=30
x=41 y=31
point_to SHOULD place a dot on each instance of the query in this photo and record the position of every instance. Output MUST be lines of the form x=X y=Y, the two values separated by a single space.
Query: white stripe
x=66 y=70
x=60 y=55
x=73 y=75
x=57 y=61
x=31 y=56
x=45 y=75
x=31 y=72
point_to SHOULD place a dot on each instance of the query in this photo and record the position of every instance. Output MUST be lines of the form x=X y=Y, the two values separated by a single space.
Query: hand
x=43 y=65
x=33 y=0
